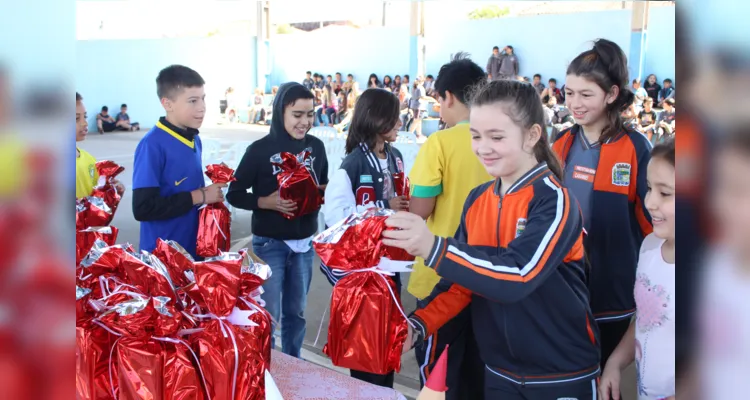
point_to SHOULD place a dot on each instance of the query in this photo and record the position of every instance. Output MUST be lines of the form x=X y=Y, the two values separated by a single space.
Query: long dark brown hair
x=377 y=112
x=525 y=109
x=606 y=65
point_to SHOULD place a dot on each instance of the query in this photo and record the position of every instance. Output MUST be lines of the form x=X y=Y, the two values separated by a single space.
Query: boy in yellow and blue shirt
x=444 y=173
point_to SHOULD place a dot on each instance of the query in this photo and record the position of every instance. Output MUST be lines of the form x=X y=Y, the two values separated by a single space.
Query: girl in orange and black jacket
x=605 y=168
x=517 y=259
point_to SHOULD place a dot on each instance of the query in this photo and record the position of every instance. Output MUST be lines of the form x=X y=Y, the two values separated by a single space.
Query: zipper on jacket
x=497 y=226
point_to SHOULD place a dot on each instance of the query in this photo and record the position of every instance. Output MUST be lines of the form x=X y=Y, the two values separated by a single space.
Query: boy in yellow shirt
x=444 y=173
x=86 y=173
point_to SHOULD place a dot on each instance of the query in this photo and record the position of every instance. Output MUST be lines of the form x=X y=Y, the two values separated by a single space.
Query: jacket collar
x=525 y=180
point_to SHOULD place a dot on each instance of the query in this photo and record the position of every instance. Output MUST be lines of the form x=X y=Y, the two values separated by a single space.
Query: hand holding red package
x=98 y=208
x=402 y=185
x=368 y=327
x=297 y=183
x=214 y=220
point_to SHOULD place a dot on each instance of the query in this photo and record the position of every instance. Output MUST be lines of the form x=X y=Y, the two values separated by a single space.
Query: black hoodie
x=256 y=172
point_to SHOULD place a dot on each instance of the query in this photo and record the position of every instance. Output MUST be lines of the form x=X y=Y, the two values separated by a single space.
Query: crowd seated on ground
x=121 y=122
x=335 y=99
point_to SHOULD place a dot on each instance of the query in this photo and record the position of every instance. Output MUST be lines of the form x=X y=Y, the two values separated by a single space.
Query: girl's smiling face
x=660 y=198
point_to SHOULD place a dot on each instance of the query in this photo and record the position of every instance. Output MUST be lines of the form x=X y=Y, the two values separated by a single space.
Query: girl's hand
x=119 y=187
x=399 y=203
x=410 y=233
x=609 y=384
x=409 y=342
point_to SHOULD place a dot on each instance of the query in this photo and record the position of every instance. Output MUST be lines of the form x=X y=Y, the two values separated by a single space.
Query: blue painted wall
x=383 y=51
x=544 y=44
x=659 y=56
x=104 y=78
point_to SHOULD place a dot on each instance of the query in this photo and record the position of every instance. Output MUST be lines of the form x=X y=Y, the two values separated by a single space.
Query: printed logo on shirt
x=520 y=226
x=584 y=174
x=621 y=174
x=308 y=163
x=177 y=183
x=91 y=171
x=365 y=194
x=365 y=179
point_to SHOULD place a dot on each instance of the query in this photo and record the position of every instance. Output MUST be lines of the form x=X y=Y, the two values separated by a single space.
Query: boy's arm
x=148 y=204
x=246 y=175
x=426 y=178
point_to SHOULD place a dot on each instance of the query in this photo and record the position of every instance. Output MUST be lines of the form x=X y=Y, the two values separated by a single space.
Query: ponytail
x=606 y=65
x=525 y=109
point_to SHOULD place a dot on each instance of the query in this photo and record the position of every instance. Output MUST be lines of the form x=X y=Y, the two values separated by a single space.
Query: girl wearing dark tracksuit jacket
x=517 y=259
x=365 y=178
x=605 y=168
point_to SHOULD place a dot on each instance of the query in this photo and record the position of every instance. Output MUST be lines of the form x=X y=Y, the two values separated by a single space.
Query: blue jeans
x=291 y=274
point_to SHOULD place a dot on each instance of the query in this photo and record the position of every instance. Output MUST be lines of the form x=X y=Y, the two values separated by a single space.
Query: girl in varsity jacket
x=365 y=178
x=605 y=168
x=517 y=258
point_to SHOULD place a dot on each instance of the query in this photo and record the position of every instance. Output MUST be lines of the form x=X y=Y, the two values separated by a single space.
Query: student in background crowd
x=328 y=106
x=605 y=167
x=560 y=117
x=650 y=339
x=418 y=107
x=630 y=118
x=493 y=64
x=538 y=85
x=308 y=82
x=429 y=85
x=406 y=81
x=552 y=90
x=516 y=261
x=285 y=244
x=105 y=122
x=508 y=64
x=350 y=82
x=256 y=107
x=374 y=82
x=341 y=109
x=666 y=123
x=388 y=83
x=444 y=173
x=640 y=94
x=123 y=120
x=647 y=119
x=667 y=92
x=652 y=88
x=319 y=82
x=268 y=109
x=396 y=86
x=338 y=83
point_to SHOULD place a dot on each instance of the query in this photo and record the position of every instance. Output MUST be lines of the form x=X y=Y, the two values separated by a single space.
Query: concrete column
x=416 y=40
x=263 y=46
x=638 y=37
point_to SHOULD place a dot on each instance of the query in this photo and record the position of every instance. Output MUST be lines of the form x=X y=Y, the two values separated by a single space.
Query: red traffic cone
x=434 y=388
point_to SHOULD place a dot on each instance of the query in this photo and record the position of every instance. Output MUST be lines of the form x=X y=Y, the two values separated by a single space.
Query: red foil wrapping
x=99 y=207
x=297 y=183
x=214 y=220
x=85 y=239
x=366 y=331
x=93 y=345
x=402 y=185
x=234 y=357
x=154 y=369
